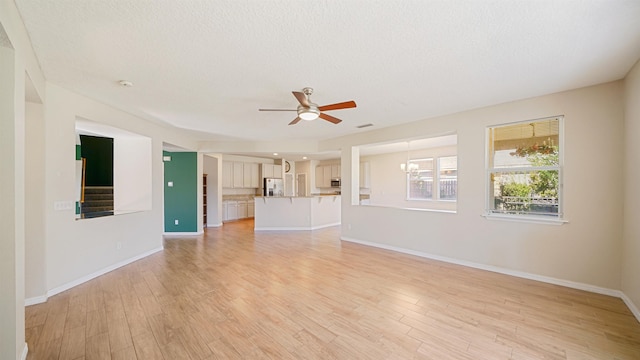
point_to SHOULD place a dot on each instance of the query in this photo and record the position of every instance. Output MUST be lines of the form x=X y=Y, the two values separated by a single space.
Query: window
x=420 y=179
x=524 y=168
x=448 y=178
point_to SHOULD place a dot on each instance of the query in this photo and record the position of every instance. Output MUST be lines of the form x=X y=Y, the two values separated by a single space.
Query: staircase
x=98 y=201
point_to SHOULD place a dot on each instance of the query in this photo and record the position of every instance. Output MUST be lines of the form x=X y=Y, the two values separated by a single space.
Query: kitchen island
x=297 y=212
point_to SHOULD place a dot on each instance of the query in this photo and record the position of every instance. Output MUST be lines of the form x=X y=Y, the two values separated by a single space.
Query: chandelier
x=409 y=167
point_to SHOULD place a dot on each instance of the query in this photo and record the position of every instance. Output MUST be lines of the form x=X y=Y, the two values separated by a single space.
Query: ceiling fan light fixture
x=308 y=114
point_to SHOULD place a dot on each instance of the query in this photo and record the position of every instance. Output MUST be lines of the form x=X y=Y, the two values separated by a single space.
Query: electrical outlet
x=176 y=222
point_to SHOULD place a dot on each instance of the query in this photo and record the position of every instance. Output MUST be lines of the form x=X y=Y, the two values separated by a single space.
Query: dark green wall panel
x=99 y=154
x=181 y=200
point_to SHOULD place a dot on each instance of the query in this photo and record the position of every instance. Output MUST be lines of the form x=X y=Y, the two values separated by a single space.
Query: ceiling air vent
x=364 y=126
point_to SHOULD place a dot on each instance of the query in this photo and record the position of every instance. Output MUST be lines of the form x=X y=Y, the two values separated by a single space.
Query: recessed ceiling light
x=126 y=83
x=304 y=158
x=275 y=154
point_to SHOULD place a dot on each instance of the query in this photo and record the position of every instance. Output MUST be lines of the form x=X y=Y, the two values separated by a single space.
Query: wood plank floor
x=233 y=294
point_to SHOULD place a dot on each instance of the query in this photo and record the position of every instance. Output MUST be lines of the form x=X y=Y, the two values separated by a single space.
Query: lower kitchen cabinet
x=232 y=210
x=237 y=209
x=242 y=209
x=251 y=209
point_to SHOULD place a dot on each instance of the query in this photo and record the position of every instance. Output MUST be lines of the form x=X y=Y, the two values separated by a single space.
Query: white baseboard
x=35 y=300
x=214 y=225
x=194 y=233
x=94 y=275
x=25 y=351
x=631 y=305
x=500 y=270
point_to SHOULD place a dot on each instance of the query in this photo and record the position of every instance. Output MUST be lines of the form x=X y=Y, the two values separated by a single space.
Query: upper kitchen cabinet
x=227 y=174
x=325 y=173
x=251 y=175
x=335 y=171
x=240 y=175
x=272 y=171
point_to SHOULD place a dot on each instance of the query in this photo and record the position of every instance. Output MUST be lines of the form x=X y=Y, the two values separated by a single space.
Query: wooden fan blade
x=277 y=110
x=295 y=121
x=302 y=98
x=338 y=106
x=330 y=118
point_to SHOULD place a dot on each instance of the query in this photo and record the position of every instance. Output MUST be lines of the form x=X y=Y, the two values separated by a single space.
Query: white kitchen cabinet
x=255 y=176
x=242 y=209
x=247 y=175
x=335 y=172
x=326 y=176
x=225 y=213
x=232 y=210
x=365 y=176
x=272 y=171
x=238 y=175
x=319 y=176
x=251 y=208
x=267 y=170
x=227 y=174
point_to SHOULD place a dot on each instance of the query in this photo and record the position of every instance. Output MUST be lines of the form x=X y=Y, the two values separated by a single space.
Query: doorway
x=301 y=182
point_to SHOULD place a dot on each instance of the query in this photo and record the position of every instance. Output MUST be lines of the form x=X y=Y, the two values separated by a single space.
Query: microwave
x=335 y=182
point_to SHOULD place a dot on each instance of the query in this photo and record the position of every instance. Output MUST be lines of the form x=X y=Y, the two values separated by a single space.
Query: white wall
x=631 y=259
x=132 y=174
x=214 y=190
x=587 y=250
x=78 y=250
x=35 y=281
x=12 y=206
x=13 y=65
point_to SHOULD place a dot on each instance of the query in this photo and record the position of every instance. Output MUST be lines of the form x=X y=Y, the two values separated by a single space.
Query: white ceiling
x=208 y=66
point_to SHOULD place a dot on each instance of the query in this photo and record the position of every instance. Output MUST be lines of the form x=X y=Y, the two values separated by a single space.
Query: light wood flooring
x=233 y=294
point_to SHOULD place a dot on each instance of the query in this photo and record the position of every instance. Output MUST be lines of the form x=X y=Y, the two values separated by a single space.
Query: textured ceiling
x=208 y=66
x=4 y=39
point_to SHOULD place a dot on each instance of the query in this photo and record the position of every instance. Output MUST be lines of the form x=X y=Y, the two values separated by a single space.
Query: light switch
x=63 y=205
x=170 y=184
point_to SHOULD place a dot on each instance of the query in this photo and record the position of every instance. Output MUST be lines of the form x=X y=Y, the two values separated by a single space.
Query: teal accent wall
x=181 y=200
x=99 y=154
x=78 y=152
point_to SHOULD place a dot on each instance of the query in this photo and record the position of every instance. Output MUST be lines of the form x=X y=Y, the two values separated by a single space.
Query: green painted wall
x=99 y=154
x=180 y=200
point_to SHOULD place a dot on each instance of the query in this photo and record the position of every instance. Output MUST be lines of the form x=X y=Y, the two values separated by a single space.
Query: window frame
x=439 y=179
x=435 y=187
x=490 y=169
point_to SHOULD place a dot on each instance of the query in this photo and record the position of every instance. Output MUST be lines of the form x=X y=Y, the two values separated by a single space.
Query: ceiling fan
x=310 y=111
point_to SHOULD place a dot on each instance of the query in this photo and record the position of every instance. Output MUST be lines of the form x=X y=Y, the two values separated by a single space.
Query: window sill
x=446 y=211
x=525 y=219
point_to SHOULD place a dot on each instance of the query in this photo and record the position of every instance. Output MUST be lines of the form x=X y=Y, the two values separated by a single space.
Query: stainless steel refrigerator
x=273 y=187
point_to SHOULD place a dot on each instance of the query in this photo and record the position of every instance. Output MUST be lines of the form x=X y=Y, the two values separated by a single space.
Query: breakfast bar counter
x=297 y=212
